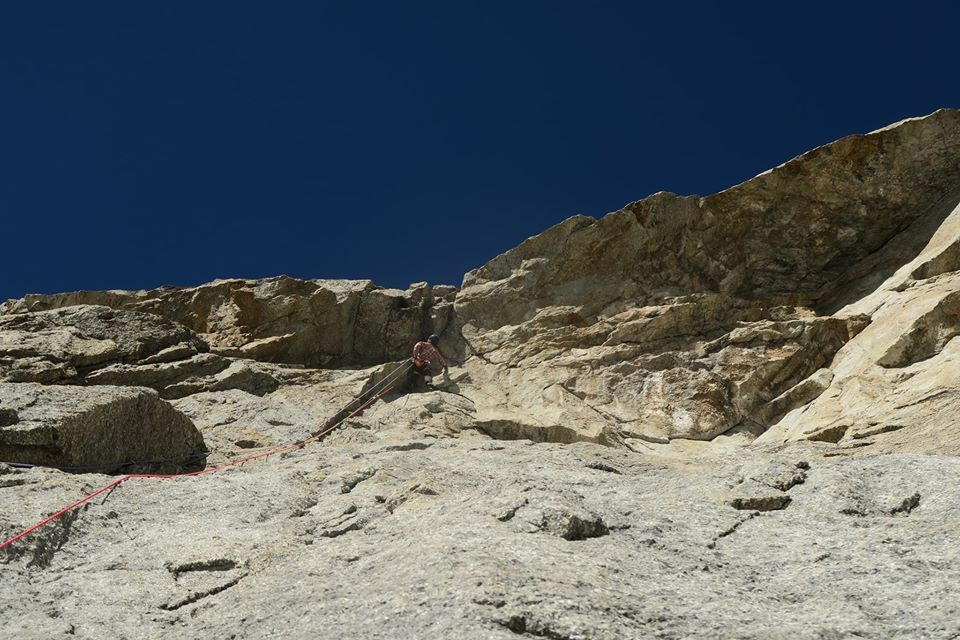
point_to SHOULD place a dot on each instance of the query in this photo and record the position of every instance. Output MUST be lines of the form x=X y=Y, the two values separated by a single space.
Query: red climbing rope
x=333 y=424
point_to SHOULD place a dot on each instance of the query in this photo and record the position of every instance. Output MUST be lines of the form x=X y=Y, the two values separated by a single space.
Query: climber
x=425 y=355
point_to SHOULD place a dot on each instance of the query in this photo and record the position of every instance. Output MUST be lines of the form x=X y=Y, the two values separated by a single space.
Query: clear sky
x=174 y=142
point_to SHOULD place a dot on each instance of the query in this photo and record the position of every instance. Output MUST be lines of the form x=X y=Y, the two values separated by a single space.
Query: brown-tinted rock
x=788 y=236
x=321 y=323
x=686 y=317
x=64 y=344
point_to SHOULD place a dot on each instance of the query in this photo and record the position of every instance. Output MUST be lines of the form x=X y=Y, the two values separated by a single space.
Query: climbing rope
x=355 y=406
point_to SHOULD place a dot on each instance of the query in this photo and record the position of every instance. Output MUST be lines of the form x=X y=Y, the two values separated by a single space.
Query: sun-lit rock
x=720 y=416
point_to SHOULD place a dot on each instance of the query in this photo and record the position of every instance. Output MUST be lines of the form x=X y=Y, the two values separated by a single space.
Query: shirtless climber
x=425 y=355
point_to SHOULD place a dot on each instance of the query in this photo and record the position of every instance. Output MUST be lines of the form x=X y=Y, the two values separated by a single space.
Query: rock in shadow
x=43 y=544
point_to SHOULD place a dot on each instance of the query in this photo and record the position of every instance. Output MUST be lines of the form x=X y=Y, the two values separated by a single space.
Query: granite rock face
x=485 y=539
x=695 y=417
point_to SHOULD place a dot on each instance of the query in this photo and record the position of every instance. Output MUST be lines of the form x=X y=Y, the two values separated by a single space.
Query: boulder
x=100 y=428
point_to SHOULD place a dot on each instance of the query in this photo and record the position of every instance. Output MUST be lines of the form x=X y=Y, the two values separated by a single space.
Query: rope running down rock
x=362 y=401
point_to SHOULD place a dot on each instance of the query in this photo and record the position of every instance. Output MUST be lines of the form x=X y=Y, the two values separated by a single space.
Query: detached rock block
x=99 y=428
x=569 y=522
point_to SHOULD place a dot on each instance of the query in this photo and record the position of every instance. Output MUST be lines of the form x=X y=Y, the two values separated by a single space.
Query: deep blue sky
x=151 y=143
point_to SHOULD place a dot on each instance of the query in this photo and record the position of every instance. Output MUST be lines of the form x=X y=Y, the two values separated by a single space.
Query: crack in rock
x=600 y=466
x=350 y=482
x=832 y=434
x=760 y=503
x=729 y=530
x=200 y=595
x=507 y=514
x=213 y=564
x=8 y=417
x=876 y=430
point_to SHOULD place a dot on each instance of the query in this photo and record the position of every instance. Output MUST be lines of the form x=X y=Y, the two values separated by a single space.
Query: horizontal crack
x=215 y=564
x=760 y=503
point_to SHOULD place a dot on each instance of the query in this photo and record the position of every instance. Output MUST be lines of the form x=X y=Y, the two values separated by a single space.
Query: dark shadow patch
x=599 y=466
x=760 y=503
x=908 y=505
x=513 y=430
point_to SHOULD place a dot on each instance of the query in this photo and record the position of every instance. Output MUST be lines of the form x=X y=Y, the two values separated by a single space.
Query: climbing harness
x=390 y=382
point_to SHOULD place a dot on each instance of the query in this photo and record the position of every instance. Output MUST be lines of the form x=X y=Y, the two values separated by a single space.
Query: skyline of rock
x=716 y=416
